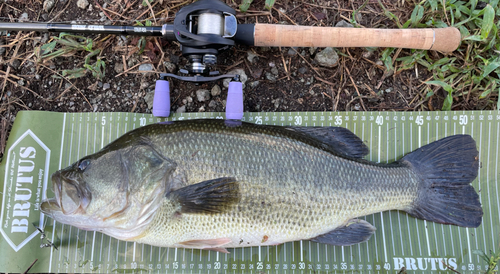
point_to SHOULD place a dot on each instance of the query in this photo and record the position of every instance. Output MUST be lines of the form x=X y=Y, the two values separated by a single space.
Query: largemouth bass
x=214 y=184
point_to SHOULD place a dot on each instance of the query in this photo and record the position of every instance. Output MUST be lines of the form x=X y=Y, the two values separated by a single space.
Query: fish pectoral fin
x=212 y=196
x=355 y=231
x=339 y=139
x=209 y=244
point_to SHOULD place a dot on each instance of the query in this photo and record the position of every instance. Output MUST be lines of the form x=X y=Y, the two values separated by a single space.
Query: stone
x=343 y=24
x=293 y=51
x=303 y=70
x=48 y=5
x=146 y=67
x=251 y=56
x=274 y=71
x=270 y=77
x=328 y=57
x=149 y=97
x=181 y=109
x=253 y=84
x=105 y=86
x=83 y=4
x=212 y=104
x=23 y=17
x=16 y=63
x=216 y=90
x=241 y=73
x=118 y=67
x=203 y=95
x=171 y=67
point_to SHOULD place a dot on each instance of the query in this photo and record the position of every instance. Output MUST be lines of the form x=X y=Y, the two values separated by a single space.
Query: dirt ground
x=279 y=79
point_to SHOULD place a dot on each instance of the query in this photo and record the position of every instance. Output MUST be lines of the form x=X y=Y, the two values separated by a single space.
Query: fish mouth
x=49 y=206
x=70 y=196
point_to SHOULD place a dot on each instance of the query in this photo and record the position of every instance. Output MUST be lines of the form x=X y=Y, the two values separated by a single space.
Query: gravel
x=146 y=67
x=216 y=90
x=83 y=4
x=203 y=95
x=327 y=58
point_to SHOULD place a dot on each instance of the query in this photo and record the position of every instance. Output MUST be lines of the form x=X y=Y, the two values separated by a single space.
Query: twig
x=59 y=14
x=235 y=65
x=151 y=9
x=337 y=99
x=137 y=18
x=449 y=267
x=264 y=13
x=248 y=67
x=116 y=13
x=5 y=78
x=325 y=81
x=169 y=8
x=284 y=65
x=30 y=266
x=124 y=64
x=303 y=58
x=103 y=11
x=357 y=91
x=19 y=42
x=128 y=70
x=293 y=22
x=354 y=99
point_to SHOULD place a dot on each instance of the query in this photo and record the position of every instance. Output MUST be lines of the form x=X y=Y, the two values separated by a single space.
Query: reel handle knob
x=161 y=100
x=234 y=104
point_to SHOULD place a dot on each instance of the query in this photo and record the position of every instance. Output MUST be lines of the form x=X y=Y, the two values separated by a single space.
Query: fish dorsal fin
x=340 y=139
x=355 y=231
x=210 y=196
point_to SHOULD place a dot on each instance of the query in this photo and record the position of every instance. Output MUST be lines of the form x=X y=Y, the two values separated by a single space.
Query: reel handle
x=161 y=100
x=234 y=103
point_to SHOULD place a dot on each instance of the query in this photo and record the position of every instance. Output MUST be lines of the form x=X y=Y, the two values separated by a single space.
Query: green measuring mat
x=42 y=142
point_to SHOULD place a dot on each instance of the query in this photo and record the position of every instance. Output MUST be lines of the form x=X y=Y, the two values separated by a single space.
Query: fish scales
x=295 y=192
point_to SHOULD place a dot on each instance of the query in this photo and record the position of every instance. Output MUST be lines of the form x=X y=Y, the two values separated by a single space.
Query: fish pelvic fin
x=446 y=168
x=208 y=244
x=212 y=196
x=355 y=231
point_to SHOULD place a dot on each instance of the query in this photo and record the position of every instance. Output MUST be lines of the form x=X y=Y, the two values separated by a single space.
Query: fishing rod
x=206 y=27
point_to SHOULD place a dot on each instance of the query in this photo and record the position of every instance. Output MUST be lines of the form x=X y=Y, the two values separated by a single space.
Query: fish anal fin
x=355 y=231
x=212 y=196
x=208 y=244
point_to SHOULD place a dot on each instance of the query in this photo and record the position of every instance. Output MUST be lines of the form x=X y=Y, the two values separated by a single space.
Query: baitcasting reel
x=203 y=29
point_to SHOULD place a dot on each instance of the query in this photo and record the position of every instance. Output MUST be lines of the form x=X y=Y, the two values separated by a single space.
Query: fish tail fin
x=446 y=168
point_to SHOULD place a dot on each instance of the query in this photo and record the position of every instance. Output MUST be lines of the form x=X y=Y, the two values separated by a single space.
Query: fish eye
x=83 y=165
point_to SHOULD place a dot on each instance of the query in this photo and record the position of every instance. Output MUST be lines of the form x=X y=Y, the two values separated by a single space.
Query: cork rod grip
x=442 y=39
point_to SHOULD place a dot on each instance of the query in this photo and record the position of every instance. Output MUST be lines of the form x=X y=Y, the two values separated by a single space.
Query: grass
x=69 y=45
x=245 y=4
x=473 y=70
x=491 y=260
